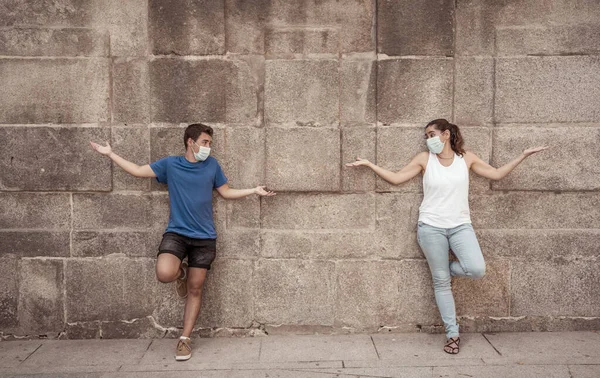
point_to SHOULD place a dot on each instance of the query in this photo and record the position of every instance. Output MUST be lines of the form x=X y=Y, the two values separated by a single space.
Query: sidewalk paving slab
x=512 y=371
x=13 y=353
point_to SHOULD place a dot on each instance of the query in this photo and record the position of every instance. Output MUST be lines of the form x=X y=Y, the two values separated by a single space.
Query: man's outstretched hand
x=260 y=190
x=104 y=150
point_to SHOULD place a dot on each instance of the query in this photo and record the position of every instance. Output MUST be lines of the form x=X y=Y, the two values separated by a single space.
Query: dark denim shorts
x=200 y=252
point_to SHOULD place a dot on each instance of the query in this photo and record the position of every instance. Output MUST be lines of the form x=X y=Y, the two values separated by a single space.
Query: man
x=190 y=233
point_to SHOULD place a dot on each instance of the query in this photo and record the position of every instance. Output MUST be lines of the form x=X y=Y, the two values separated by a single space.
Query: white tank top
x=445 y=193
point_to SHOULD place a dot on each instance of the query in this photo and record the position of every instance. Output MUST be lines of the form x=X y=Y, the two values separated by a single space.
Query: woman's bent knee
x=478 y=272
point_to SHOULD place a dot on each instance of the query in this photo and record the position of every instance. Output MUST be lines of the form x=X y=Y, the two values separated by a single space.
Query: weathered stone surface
x=245 y=26
x=23 y=41
x=285 y=42
x=244 y=86
x=488 y=296
x=245 y=161
x=548 y=40
x=478 y=20
x=200 y=91
x=9 y=293
x=539 y=244
x=127 y=24
x=358 y=79
x=535 y=288
x=129 y=243
x=56 y=90
x=294 y=292
x=62 y=159
x=547 y=89
x=35 y=243
x=303 y=91
x=364 y=299
x=319 y=211
x=358 y=142
x=528 y=324
x=243 y=213
x=131 y=90
x=238 y=244
x=228 y=300
x=110 y=289
x=130 y=211
x=535 y=210
x=570 y=167
x=317 y=244
x=41 y=299
x=415 y=27
x=131 y=143
x=397 y=216
x=33 y=210
x=474 y=90
x=82 y=330
x=191 y=27
x=303 y=159
x=414 y=90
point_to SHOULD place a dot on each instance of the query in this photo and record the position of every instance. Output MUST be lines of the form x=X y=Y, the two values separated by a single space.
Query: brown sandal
x=453 y=344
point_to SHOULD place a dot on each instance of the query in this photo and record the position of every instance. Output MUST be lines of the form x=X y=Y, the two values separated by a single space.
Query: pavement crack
x=492 y=345
x=375 y=346
x=30 y=354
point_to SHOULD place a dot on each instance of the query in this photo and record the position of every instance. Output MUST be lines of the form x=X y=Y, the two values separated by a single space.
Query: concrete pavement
x=552 y=355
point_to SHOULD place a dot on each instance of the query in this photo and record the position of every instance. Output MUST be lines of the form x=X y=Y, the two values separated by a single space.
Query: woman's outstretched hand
x=104 y=150
x=531 y=151
x=358 y=162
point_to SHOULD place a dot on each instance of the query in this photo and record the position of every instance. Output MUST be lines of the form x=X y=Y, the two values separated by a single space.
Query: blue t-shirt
x=190 y=188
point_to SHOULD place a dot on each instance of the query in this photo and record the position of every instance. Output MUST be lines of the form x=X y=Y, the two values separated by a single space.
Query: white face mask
x=202 y=154
x=435 y=145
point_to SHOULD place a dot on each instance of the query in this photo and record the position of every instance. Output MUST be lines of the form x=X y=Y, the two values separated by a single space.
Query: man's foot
x=184 y=349
x=181 y=284
x=452 y=345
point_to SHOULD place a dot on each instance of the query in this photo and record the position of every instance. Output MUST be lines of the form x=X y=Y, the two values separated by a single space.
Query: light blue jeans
x=435 y=243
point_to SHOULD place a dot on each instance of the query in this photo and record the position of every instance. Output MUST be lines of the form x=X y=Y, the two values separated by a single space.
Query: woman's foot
x=452 y=345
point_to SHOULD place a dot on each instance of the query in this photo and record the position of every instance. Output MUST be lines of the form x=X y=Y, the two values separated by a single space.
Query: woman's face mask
x=435 y=145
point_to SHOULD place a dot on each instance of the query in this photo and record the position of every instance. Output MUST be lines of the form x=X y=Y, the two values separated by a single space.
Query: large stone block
x=567 y=167
x=228 y=295
x=303 y=91
x=107 y=211
x=358 y=142
x=535 y=210
x=318 y=245
x=41 y=296
x=547 y=89
x=131 y=143
x=129 y=243
x=319 y=211
x=9 y=293
x=46 y=12
x=414 y=90
x=365 y=300
x=110 y=289
x=35 y=210
x=131 y=90
x=62 y=159
x=555 y=288
x=54 y=90
x=397 y=216
x=358 y=79
x=191 y=27
x=474 y=90
x=415 y=27
x=538 y=244
x=548 y=40
x=488 y=296
x=286 y=42
x=245 y=83
x=303 y=159
x=244 y=164
x=243 y=213
x=238 y=244
x=245 y=26
x=31 y=243
x=294 y=292
x=26 y=41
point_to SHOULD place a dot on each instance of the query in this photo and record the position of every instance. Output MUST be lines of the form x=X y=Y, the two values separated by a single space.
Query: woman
x=444 y=217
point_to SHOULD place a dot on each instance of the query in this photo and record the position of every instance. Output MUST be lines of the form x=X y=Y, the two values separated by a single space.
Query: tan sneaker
x=181 y=284
x=184 y=349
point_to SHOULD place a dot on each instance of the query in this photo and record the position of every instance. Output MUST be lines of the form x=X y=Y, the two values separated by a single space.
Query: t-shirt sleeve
x=220 y=178
x=159 y=168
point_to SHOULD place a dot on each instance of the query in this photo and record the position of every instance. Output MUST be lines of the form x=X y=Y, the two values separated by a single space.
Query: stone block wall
x=294 y=89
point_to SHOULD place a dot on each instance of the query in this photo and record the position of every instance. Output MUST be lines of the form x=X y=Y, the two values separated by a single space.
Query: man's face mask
x=202 y=153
